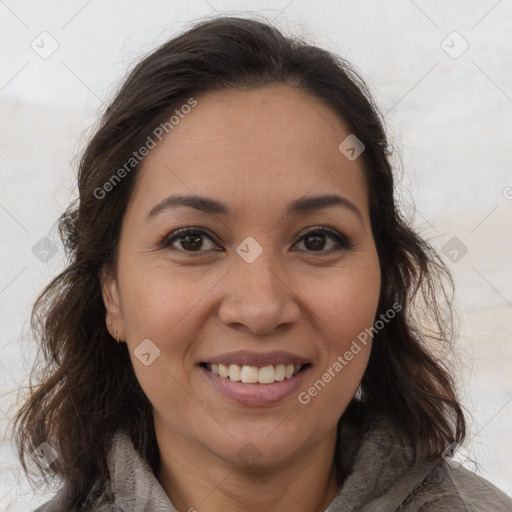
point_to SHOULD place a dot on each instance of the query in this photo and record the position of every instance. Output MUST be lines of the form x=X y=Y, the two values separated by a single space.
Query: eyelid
x=168 y=239
x=342 y=240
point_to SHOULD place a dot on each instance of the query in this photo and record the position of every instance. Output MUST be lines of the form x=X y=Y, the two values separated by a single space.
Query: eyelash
x=342 y=241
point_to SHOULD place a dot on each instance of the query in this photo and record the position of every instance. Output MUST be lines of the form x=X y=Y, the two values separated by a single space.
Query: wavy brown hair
x=87 y=388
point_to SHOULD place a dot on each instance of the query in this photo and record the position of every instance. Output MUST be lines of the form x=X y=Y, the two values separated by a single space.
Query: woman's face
x=249 y=290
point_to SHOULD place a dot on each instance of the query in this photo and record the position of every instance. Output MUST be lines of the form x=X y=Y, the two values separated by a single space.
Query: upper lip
x=248 y=358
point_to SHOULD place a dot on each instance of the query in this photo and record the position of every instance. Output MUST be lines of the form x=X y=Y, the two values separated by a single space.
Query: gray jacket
x=382 y=479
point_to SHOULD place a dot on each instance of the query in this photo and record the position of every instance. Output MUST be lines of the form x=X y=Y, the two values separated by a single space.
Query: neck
x=195 y=479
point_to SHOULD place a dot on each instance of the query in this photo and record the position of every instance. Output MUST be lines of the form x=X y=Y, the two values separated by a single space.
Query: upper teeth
x=254 y=374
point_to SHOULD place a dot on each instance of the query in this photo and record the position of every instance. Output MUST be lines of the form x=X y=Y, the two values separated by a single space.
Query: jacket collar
x=381 y=477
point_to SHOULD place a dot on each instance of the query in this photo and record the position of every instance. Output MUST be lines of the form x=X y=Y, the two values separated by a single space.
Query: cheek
x=160 y=301
x=345 y=303
x=158 y=305
x=156 y=300
x=345 y=306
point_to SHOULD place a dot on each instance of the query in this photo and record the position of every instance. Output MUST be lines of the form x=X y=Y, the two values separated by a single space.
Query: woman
x=236 y=234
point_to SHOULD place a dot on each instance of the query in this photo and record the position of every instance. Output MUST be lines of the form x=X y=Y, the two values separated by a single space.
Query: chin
x=261 y=447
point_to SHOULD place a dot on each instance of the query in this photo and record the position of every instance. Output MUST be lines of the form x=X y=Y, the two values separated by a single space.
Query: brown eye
x=315 y=240
x=191 y=242
x=187 y=240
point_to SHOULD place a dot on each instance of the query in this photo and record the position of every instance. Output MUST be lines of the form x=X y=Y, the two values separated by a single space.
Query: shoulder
x=52 y=505
x=100 y=495
x=384 y=476
x=129 y=485
x=59 y=503
x=456 y=489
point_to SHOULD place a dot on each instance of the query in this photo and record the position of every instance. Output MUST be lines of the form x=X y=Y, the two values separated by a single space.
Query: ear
x=112 y=301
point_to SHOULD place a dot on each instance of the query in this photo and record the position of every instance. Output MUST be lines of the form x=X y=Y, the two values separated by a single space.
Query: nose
x=258 y=297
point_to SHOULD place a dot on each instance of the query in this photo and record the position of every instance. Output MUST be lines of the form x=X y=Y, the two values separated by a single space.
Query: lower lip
x=256 y=395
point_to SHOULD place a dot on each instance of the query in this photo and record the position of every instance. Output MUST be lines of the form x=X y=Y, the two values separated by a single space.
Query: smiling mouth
x=255 y=374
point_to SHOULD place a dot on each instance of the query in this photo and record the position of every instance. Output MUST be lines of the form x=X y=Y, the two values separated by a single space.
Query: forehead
x=252 y=147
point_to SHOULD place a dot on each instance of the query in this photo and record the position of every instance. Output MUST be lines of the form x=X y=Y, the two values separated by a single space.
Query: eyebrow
x=213 y=207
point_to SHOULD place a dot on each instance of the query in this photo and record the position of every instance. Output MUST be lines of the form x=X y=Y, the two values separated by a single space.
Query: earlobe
x=112 y=301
